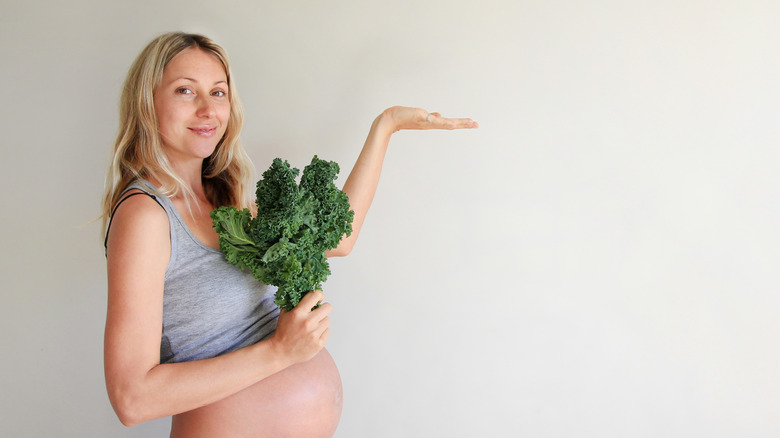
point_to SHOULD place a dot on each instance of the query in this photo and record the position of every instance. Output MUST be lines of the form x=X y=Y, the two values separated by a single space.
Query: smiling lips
x=204 y=132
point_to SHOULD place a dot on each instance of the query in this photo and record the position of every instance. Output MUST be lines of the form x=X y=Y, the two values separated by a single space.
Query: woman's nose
x=205 y=107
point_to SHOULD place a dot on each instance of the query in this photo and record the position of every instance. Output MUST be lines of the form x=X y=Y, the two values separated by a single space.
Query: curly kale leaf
x=285 y=244
x=232 y=224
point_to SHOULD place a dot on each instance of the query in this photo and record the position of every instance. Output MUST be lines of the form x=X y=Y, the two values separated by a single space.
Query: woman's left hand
x=402 y=117
x=362 y=182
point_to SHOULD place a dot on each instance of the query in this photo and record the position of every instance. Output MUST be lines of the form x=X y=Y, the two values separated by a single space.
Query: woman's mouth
x=204 y=132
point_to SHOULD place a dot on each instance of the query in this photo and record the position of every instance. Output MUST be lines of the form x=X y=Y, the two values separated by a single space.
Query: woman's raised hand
x=417 y=118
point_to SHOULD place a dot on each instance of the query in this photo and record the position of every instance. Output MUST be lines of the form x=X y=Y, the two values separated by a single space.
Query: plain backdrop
x=599 y=259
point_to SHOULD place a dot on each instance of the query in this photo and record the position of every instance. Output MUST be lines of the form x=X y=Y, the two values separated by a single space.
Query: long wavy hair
x=138 y=152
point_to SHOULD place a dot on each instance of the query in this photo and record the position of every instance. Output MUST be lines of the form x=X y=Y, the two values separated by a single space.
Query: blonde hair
x=138 y=153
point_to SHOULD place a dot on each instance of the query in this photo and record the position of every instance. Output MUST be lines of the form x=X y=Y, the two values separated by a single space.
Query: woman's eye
x=219 y=93
x=183 y=91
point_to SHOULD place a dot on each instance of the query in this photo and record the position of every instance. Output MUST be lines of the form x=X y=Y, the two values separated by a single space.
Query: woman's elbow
x=126 y=406
x=127 y=420
x=340 y=251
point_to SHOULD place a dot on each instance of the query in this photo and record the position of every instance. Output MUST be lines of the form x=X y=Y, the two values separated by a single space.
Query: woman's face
x=193 y=105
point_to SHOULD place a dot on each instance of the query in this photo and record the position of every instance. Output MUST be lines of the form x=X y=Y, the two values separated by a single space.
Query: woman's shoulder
x=139 y=197
x=138 y=216
x=138 y=202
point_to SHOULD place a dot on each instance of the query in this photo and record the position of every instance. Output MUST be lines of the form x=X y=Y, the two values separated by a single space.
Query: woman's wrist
x=386 y=124
x=270 y=353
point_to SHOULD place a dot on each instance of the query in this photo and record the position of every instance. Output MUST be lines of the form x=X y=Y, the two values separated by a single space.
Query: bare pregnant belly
x=303 y=400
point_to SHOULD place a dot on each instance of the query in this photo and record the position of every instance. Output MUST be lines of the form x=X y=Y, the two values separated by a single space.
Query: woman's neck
x=192 y=176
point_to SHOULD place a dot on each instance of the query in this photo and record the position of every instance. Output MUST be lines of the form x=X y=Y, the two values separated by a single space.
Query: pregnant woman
x=187 y=334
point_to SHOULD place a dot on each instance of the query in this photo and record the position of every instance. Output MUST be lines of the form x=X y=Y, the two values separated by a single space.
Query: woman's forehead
x=195 y=64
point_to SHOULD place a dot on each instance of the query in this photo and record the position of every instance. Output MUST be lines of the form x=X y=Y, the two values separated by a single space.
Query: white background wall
x=600 y=258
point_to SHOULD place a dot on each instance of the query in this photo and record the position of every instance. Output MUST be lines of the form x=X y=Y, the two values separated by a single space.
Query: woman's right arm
x=139 y=387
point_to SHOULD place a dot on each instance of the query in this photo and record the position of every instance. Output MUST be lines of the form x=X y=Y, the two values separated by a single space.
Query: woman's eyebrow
x=221 y=81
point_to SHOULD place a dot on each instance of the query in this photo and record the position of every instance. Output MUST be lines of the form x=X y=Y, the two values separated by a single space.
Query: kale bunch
x=285 y=244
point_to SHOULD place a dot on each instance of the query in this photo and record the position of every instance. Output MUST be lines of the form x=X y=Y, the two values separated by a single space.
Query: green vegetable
x=285 y=244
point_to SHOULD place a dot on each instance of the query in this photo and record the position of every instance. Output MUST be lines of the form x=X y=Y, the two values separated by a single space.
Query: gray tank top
x=210 y=307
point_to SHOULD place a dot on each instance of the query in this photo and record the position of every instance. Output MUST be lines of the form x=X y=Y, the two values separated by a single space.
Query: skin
x=287 y=385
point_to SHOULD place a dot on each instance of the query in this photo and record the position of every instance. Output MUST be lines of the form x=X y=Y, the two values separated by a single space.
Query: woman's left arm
x=363 y=180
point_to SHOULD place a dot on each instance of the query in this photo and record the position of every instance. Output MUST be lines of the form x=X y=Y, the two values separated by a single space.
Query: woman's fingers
x=303 y=331
x=437 y=121
x=318 y=319
x=418 y=118
x=310 y=300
